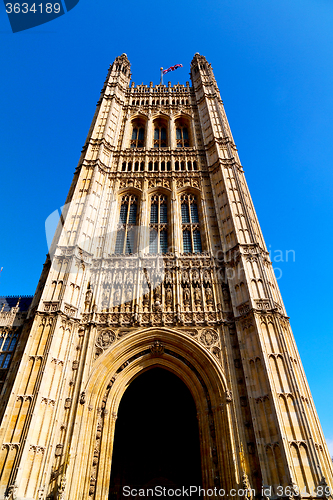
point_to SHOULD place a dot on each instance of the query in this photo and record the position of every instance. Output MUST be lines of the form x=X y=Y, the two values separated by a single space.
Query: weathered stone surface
x=160 y=262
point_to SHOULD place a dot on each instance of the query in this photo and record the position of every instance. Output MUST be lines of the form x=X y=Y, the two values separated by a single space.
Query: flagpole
x=161 y=76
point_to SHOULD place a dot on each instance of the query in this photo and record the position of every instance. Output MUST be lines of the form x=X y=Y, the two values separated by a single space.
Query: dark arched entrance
x=156 y=436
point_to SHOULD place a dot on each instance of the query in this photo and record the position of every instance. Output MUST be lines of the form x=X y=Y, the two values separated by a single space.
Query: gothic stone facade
x=159 y=260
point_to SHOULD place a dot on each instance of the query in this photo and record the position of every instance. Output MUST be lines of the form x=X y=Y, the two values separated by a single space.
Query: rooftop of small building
x=21 y=301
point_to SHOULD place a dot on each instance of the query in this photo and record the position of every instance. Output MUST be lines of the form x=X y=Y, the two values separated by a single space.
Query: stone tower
x=159 y=265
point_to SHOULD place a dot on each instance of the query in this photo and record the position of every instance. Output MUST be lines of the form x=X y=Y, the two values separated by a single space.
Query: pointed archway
x=156 y=435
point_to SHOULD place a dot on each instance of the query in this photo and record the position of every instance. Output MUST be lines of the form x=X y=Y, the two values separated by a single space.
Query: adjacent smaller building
x=13 y=312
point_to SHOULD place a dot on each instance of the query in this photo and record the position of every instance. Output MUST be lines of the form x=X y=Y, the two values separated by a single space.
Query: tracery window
x=125 y=242
x=138 y=134
x=160 y=137
x=182 y=132
x=158 y=233
x=160 y=133
x=182 y=137
x=8 y=342
x=190 y=224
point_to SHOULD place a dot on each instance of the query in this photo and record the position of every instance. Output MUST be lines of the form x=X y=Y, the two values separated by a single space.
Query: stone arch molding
x=113 y=372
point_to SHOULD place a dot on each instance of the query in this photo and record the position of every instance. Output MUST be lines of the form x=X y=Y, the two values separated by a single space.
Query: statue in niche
x=118 y=278
x=226 y=294
x=209 y=295
x=104 y=300
x=186 y=296
x=168 y=296
x=195 y=276
x=185 y=278
x=129 y=294
x=168 y=278
x=197 y=296
x=89 y=295
x=87 y=302
x=206 y=277
x=145 y=299
x=157 y=293
x=116 y=297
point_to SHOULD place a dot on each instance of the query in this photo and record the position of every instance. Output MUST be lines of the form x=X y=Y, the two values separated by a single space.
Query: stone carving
x=37 y=449
x=129 y=279
x=209 y=295
x=168 y=278
x=92 y=486
x=68 y=402
x=58 y=450
x=157 y=348
x=158 y=293
x=118 y=278
x=57 y=361
x=195 y=276
x=145 y=299
x=208 y=337
x=99 y=431
x=159 y=182
x=168 y=296
x=188 y=182
x=185 y=278
x=197 y=296
x=228 y=396
x=105 y=339
x=10 y=446
x=116 y=297
x=128 y=294
x=217 y=352
x=105 y=300
x=48 y=401
x=206 y=277
x=186 y=296
x=62 y=488
x=157 y=308
x=70 y=311
x=11 y=492
x=130 y=182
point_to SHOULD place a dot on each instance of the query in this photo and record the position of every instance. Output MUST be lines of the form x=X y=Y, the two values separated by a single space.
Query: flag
x=172 y=68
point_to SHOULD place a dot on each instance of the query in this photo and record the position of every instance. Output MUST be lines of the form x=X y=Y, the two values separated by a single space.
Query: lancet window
x=190 y=224
x=158 y=233
x=126 y=233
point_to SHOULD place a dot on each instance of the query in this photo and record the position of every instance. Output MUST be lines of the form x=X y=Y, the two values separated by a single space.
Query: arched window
x=190 y=224
x=182 y=133
x=158 y=235
x=160 y=133
x=182 y=137
x=138 y=134
x=125 y=242
x=8 y=341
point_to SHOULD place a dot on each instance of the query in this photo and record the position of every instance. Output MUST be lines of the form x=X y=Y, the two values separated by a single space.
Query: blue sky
x=274 y=66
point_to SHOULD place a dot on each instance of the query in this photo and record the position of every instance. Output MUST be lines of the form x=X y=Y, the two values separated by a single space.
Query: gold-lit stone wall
x=207 y=309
